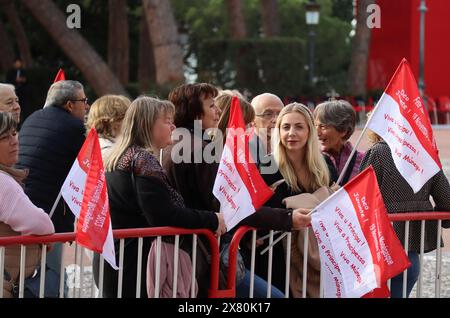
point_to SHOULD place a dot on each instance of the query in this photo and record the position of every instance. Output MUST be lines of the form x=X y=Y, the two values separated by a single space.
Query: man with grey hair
x=50 y=140
x=267 y=107
x=9 y=102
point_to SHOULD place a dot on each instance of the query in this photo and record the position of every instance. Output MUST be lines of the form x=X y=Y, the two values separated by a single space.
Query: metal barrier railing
x=122 y=234
x=214 y=291
x=397 y=217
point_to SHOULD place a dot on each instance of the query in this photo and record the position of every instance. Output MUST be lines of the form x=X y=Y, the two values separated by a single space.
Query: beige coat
x=12 y=260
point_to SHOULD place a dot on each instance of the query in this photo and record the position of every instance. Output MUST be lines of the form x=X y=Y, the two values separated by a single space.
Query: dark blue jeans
x=411 y=278
x=259 y=288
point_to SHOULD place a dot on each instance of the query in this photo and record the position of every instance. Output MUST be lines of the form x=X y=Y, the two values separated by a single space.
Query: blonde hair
x=371 y=135
x=223 y=102
x=105 y=111
x=317 y=173
x=137 y=125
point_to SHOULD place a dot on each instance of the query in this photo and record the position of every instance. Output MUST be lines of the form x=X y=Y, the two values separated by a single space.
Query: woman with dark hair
x=196 y=118
x=18 y=215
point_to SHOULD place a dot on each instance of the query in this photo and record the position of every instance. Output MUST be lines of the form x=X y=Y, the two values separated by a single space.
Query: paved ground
x=429 y=274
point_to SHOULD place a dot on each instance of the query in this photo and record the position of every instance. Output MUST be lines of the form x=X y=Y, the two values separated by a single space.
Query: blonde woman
x=140 y=194
x=106 y=115
x=302 y=169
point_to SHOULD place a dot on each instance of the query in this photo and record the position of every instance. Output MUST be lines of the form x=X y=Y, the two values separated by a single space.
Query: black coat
x=49 y=141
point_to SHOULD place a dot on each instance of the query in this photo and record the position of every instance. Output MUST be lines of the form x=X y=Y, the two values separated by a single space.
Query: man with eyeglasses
x=267 y=107
x=50 y=140
x=9 y=101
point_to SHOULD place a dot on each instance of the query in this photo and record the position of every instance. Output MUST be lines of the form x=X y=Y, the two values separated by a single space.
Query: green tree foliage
x=219 y=60
x=206 y=21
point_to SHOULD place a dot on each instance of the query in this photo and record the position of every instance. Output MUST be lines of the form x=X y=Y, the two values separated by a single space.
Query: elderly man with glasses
x=50 y=140
x=9 y=102
x=267 y=107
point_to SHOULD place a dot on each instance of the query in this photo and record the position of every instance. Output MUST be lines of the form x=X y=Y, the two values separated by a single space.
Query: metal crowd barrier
x=397 y=217
x=214 y=291
x=122 y=234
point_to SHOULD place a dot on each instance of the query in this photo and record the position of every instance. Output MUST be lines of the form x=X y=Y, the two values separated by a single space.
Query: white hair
x=258 y=98
x=5 y=85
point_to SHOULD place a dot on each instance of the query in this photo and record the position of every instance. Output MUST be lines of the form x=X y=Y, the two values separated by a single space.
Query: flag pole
x=358 y=141
x=55 y=205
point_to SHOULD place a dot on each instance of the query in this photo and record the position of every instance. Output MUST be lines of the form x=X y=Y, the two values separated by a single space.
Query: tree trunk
x=6 y=52
x=269 y=18
x=360 y=51
x=165 y=41
x=238 y=31
x=236 y=19
x=118 y=40
x=94 y=69
x=146 y=66
x=19 y=32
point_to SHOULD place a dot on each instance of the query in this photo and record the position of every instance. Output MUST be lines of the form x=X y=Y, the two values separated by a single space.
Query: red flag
x=60 y=76
x=380 y=292
x=389 y=257
x=85 y=192
x=401 y=119
x=358 y=246
x=238 y=186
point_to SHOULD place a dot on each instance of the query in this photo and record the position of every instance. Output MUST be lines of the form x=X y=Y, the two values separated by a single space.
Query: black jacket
x=50 y=140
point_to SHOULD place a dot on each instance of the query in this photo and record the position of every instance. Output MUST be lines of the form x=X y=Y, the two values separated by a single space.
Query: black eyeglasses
x=84 y=100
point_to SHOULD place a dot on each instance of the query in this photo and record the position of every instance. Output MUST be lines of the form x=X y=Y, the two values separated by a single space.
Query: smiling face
x=330 y=139
x=9 y=148
x=161 y=132
x=294 y=132
x=9 y=102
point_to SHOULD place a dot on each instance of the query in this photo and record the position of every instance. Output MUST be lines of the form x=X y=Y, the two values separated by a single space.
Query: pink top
x=17 y=211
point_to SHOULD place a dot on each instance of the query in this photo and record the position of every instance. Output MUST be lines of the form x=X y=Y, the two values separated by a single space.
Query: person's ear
x=69 y=106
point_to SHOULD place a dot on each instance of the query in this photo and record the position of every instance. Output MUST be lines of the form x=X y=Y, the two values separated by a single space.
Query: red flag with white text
x=401 y=119
x=86 y=194
x=358 y=247
x=238 y=186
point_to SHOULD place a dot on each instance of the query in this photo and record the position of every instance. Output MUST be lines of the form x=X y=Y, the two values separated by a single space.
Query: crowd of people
x=157 y=176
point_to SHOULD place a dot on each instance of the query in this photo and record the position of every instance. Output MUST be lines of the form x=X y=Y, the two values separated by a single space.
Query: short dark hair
x=187 y=101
